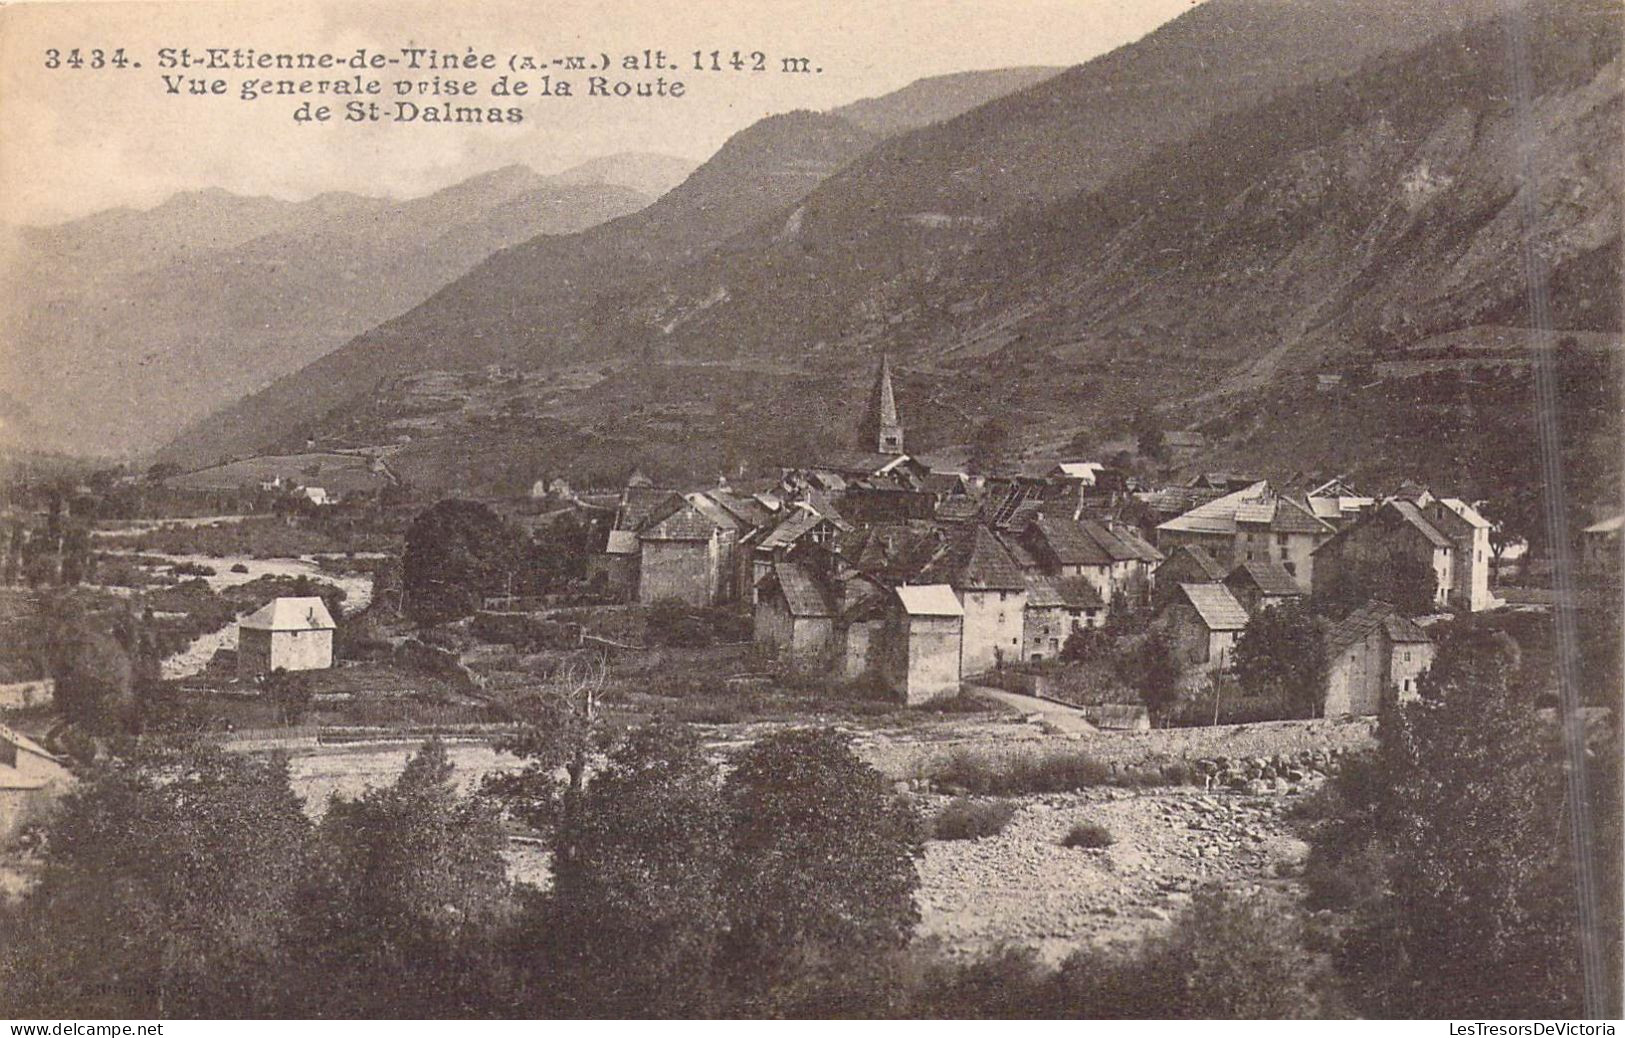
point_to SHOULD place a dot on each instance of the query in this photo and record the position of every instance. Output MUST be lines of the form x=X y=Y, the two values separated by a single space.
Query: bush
x=965 y=819
x=1054 y=772
x=193 y=569
x=238 y=567
x=1090 y=835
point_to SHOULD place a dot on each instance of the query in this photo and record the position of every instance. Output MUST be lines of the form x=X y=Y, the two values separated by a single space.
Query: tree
x=1282 y=652
x=1085 y=643
x=1398 y=577
x=562 y=727
x=1149 y=438
x=290 y=693
x=456 y=551
x=1156 y=674
x=820 y=877
x=1478 y=915
x=635 y=913
x=166 y=884
x=90 y=660
x=407 y=888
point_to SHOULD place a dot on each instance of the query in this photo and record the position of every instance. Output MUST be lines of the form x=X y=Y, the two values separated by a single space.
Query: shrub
x=1091 y=835
x=1055 y=772
x=965 y=819
x=238 y=567
x=192 y=569
x=958 y=703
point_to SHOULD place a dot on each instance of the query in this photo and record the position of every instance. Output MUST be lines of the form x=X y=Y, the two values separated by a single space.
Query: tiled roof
x=1267 y=575
x=1218 y=515
x=1414 y=517
x=803 y=592
x=1255 y=511
x=1070 y=543
x=975 y=560
x=1141 y=548
x=621 y=542
x=1359 y=624
x=799 y=521
x=1466 y=512
x=747 y=510
x=638 y=503
x=682 y=522
x=1612 y=525
x=856 y=463
x=1216 y=606
x=1197 y=557
x=290 y=614
x=929 y=600
x=1045 y=592
x=1177 y=500
x=1292 y=516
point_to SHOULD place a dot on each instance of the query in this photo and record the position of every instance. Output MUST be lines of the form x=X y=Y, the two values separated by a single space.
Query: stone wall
x=1126 y=751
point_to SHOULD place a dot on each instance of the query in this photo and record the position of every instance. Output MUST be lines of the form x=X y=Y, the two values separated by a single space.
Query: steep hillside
x=133 y=324
x=546 y=300
x=1294 y=187
x=936 y=99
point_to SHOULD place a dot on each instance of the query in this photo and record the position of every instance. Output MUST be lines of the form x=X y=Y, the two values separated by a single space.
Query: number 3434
x=94 y=58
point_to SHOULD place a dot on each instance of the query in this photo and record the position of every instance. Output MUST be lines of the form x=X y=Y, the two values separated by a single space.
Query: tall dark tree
x=1399 y=578
x=1282 y=652
x=166 y=884
x=456 y=551
x=1476 y=913
x=820 y=878
x=1155 y=670
x=406 y=896
x=635 y=912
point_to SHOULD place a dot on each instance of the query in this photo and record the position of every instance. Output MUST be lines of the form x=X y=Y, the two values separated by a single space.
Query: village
x=1133 y=646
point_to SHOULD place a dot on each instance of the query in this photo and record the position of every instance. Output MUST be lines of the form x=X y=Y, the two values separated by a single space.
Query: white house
x=287 y=633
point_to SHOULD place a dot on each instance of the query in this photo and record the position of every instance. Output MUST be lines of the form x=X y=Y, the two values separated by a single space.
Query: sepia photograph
x=928 y=510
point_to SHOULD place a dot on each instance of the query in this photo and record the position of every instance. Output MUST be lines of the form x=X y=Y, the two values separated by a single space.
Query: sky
x=74 y=141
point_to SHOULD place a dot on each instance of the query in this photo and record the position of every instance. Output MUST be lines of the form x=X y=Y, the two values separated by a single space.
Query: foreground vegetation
x=188 y=882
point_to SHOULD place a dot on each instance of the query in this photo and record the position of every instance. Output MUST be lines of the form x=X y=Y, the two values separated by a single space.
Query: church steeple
x=882 y=431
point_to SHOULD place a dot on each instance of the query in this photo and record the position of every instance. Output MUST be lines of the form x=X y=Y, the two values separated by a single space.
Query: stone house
x=992 y=593
x=30 y=778
x=923 y=642
x=285 y=634
x=1057 y=606
x=1114 y=559
x=1253 y=523
x=686 y=552
x=617 y=565
x=1186 y=564
x=1204 y=621
x=795 y=617
x=801 y=523
x=1396 y=526
x=1374 y=652
x=1469 y=536
x=1600 y=551
x=1262 y=583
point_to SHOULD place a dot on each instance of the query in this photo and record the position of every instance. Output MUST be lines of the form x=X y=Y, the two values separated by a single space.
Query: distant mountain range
x=556 y=287
x=132 y=323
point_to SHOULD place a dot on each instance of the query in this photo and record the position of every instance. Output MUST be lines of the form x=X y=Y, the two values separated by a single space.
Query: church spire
x=882 y=431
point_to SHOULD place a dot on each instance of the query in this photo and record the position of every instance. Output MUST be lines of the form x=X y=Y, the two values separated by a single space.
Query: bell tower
x=882 y=431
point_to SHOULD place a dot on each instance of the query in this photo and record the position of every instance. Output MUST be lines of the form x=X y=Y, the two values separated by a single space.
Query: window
x=1283 y=552
x=1280 y=539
